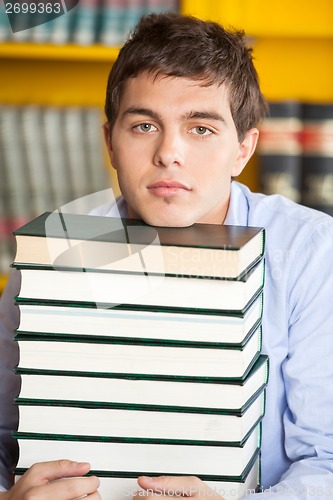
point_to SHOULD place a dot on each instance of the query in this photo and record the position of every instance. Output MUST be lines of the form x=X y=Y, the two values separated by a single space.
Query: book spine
x=111 y=29
x=19 y=30
x=74 y=136
x=280 y=150
x=85 y=27
x=96 y=155
x=14 y=169
x=40 y=32
x=34 y=149
x=52 y=136
x=317 y=163
x=61 y=28
x=162 y=6
x=49 y=156
x=118 y=20
x=5 y=29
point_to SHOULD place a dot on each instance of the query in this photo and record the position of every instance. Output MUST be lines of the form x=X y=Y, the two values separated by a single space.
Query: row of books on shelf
x=105 y=22
x=163 y=375
x=296 y=153
x=49 y=156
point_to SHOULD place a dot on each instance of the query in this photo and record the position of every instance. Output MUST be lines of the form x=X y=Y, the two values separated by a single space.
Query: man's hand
x=186 y=486
x=47 y=480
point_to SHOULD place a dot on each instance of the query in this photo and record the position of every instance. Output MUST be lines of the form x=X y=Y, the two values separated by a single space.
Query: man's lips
x=167 y=188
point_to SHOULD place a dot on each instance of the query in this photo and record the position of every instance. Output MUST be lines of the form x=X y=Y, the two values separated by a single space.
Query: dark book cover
x=92 y=242
x=317 y=163
x=280 y=150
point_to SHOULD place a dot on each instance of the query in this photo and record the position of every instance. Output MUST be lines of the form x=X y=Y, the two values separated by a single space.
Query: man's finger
x=187 y=486
x=69 y=489
x=50 y=471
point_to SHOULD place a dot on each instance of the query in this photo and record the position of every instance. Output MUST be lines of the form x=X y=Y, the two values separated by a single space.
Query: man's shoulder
x=289 y=226
x=278 y=211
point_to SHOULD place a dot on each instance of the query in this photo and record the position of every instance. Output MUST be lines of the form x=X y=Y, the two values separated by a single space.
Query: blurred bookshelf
x=69 y=75
x=292 y=46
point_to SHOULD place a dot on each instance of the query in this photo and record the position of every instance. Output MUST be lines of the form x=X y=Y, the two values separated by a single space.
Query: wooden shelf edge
x=71 y=52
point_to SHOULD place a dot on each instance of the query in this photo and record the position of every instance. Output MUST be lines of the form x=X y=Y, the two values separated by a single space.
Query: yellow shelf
x=54 y=75
x=295 y=68
x=70 y=52
x=292 y=42
x=272 y=18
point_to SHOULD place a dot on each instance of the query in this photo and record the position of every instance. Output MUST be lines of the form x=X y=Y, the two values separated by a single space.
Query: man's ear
x=246 y=150
x=107 y=140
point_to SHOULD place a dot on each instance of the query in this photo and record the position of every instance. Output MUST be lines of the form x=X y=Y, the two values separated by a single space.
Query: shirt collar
x=238 y=210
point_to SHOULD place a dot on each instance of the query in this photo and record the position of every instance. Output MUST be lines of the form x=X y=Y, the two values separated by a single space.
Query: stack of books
x=140 y=350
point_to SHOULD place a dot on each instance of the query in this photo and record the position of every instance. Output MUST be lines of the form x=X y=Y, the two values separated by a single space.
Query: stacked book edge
x=140 y=350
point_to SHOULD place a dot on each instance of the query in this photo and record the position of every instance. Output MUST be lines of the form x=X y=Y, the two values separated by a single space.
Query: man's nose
x=169 y=150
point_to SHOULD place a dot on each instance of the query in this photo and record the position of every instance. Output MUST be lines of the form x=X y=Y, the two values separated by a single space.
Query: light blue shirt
x=297 y=440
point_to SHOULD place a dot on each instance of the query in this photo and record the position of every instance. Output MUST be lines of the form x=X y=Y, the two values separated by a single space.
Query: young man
x=182 y=106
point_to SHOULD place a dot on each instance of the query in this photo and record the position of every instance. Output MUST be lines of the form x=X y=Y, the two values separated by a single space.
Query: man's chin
x=168 y=224
x=167 y=215
x=161 y=220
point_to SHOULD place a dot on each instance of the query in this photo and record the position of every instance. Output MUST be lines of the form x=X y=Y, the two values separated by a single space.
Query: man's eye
x=145 y=127
x=200 y=130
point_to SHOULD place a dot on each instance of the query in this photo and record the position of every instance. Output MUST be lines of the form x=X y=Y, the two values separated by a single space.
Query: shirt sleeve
x=9 y=382
x=308 y=373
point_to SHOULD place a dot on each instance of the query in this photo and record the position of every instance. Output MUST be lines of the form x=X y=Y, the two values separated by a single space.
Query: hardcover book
x=140 y=289
x=141 y=456
x=317 y=164
x=138 y=357
x=136 y=422
x=93 y=242
x=177 y=325
x=123 y=390
x=116 y=486
x=280 y=150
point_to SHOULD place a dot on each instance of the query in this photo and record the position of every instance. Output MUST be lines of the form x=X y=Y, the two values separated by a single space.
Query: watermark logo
x=24 y=15
x=92 y=251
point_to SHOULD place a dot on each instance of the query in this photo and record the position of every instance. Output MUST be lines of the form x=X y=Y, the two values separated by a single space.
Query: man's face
x=175 y=148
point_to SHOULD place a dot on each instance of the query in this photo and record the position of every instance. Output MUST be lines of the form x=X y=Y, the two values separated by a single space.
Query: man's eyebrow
x=203 y=115
x=191 y=115
x=141 y=111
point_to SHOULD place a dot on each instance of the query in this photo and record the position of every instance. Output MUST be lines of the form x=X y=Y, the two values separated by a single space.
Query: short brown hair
x=184 y=46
